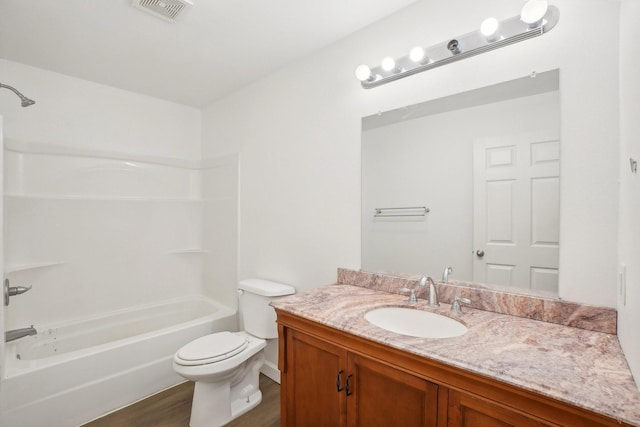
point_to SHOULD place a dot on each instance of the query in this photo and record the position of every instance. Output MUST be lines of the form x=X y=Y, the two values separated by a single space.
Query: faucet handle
x=11 y=291
x=455 y=305
x=412 y=297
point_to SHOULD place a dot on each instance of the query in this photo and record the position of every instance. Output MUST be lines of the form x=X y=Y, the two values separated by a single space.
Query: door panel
x=516 y=210
x=500 y=212
x=465 y=410
x=545 y=198
x=382 y=396
x=313 y=398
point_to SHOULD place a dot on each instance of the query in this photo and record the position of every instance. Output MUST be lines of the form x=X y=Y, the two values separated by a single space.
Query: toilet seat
x=211 y=348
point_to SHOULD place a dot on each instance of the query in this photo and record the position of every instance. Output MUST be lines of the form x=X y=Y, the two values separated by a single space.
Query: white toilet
x=226 y=365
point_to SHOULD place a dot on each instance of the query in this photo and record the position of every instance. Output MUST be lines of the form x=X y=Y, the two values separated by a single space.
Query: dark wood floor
x=172 y=408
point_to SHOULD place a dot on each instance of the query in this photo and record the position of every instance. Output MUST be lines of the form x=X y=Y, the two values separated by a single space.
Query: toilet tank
x=258 y=317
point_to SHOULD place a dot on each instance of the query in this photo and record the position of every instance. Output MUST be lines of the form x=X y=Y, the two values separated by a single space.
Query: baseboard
x=271 y=370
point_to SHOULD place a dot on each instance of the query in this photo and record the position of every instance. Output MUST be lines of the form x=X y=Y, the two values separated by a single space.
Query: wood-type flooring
x=172 y=408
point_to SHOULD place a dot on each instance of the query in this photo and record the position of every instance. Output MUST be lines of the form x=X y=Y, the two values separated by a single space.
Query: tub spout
x=19 y=333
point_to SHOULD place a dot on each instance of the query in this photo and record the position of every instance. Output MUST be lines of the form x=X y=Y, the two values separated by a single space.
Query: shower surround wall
x=93 y=235
x=104 y=200
x=110 y=211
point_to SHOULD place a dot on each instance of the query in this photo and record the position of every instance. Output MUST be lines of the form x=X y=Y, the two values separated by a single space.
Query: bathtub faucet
x=19 y=333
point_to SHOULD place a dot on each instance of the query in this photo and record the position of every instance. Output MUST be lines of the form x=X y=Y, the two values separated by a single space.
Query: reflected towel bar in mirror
x=409 y=211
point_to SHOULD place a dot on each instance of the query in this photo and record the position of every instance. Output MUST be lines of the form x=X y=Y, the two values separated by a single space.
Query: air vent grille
x=165 y=9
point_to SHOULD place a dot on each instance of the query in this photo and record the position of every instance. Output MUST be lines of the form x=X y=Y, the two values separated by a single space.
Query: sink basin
x=415 y=323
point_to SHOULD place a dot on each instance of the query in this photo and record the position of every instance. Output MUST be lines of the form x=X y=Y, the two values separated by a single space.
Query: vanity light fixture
x=417 y=54
x=533 y=12
x=536 y=18
x=489 y=28
x=389 y=65
x=363 y=73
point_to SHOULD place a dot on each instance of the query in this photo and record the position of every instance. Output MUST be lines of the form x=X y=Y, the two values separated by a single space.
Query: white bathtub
x=69 y=374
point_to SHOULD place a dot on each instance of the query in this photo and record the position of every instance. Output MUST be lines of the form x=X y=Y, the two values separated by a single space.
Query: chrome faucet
x=19 y=333
x=423 y=282
x=445 y=274
x=456 y=305
x=433 y=294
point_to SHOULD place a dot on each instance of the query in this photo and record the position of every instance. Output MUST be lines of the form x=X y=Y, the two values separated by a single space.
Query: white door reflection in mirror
x=516 y=210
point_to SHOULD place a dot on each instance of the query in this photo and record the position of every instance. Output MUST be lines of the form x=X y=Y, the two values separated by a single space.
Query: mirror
x=469 y=181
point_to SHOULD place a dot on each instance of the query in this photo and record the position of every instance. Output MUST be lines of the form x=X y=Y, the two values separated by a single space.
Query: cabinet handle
x=347 y=385
x=338 y=382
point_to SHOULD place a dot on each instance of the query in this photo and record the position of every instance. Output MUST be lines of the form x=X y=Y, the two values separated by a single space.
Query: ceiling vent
x=165 y=9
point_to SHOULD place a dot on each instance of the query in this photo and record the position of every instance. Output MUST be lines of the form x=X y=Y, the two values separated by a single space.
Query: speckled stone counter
x=545 y=307
x=577 y=366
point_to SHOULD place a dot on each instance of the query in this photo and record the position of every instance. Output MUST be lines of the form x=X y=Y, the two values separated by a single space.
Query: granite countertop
x=577 y=366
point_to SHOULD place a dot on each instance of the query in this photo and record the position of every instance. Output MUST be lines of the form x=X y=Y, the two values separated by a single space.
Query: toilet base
x=242 y=406
x=208 y=412
x=216 y=403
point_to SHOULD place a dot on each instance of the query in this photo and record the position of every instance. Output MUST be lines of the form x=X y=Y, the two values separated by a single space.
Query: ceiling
x=212 y=49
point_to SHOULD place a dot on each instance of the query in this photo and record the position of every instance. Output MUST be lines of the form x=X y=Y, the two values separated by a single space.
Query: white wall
x=429 y=161
x=77 y=113
x=298 y=132
x=629 y=233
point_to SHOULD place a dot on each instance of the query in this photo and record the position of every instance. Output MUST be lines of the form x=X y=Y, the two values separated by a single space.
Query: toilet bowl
x=226 y=365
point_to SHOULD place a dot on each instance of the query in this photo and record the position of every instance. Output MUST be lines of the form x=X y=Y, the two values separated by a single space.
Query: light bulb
x=489 y=27
x=363 y=72
x=417 y=54
x=533 y=12
x=388 y=64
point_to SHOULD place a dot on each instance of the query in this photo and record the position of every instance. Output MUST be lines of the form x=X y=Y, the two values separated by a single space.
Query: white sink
x=415 y=323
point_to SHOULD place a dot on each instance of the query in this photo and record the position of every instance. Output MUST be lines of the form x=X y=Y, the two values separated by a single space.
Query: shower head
x=25 y=101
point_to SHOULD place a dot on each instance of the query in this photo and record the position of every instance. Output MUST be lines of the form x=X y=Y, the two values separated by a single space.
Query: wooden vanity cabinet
x=325 y=385
x=384 y=396
x=336 y=379
x=309 y=389
x=467 y=410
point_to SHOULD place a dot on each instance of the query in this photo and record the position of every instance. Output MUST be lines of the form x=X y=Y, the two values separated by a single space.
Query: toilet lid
x=211 y=348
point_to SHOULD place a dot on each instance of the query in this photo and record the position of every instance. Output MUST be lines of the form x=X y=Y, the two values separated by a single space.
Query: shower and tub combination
x=122 y=272
x=69 y=374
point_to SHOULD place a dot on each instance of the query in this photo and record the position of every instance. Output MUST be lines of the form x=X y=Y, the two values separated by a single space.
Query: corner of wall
x=629 y=203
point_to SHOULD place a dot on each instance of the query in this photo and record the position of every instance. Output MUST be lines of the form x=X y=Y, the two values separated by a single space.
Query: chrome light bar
x=537 y=18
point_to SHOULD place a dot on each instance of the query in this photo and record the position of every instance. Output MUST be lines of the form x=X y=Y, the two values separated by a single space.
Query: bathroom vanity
x=339 y=370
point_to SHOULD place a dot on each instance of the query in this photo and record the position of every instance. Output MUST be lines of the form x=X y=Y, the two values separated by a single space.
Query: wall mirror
x=469 y=181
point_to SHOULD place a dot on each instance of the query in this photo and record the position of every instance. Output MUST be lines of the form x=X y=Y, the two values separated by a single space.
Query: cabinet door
x=312 y=396
x=466 y=410
x=383 y=396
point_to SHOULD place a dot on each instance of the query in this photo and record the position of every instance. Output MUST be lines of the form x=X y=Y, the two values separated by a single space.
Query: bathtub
x=71 y=373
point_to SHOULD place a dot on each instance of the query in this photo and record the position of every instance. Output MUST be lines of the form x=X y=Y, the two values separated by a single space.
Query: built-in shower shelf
x=100 y=199
x=189 y=252
x=29 y=147
x=31 y=266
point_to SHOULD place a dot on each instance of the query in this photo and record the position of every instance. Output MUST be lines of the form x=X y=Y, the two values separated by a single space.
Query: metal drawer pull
x=347 y=386
x=338 y=382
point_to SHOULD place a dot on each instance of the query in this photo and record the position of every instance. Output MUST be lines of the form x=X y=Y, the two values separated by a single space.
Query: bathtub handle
x=11 y=291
